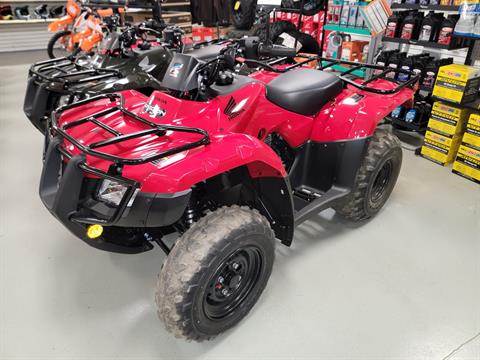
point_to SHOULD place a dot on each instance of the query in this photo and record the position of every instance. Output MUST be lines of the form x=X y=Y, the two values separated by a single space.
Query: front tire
x=53 y=41
x=375 y=179
x=243 y=13
x=215 y=273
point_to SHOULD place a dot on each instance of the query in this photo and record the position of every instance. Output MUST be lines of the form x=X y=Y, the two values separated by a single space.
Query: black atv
x=124 y=61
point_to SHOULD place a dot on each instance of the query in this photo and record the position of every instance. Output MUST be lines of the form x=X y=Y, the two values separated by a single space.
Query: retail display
x=467 y=162
x=345 y=13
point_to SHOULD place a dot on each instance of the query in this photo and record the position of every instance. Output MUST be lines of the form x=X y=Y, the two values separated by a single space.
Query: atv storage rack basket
x=70 y=180
x=50 y=79
x=326 y=63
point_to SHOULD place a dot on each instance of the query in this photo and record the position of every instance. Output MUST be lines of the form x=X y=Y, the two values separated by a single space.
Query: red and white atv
x=228 y=162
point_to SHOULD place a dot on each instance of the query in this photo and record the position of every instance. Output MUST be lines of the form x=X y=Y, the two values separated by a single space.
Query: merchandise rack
x=428 y=44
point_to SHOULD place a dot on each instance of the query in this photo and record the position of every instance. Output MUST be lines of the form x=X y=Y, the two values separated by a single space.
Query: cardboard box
x=472 y=134
x=447 y=119
x=467 y=163
x=457 y=83
x=439 y=148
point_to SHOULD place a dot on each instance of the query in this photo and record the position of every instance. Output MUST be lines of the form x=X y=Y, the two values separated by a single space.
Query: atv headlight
x=113 y=192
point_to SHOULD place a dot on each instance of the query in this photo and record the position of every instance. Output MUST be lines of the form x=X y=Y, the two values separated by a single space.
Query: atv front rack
x=155 y=129
x=66 y=72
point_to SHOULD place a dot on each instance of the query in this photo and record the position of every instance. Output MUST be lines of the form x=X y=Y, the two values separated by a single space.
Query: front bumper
x=69 y=196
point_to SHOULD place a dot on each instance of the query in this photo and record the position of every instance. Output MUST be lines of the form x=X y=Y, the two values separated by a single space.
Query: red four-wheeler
x=229 y=163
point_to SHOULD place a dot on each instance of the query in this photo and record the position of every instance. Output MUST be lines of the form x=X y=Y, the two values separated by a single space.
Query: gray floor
x=405 y=285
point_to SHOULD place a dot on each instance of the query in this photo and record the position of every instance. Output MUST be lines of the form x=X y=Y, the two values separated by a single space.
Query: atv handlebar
x=276 y=51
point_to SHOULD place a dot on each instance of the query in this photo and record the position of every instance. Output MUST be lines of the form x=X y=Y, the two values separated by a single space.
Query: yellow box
x=457 y=83
x=442 y=140
x=467 y=163
x=472 y=134
x=448 y=119
x=439 y=148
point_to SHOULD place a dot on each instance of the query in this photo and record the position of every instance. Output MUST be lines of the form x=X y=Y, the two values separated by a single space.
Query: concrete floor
x=405 y=285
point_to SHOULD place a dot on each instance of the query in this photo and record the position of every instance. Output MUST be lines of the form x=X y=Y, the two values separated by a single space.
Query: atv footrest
x=309 y=202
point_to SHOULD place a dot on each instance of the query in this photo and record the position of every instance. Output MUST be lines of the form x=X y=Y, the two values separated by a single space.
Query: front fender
x=224 y=153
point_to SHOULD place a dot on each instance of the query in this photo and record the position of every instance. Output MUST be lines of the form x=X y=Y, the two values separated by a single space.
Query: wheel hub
x=232 y=282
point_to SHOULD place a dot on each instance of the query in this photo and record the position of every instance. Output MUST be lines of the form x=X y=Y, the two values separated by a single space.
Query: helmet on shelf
x=22 y=12
x=41 y=11
x=57 y=11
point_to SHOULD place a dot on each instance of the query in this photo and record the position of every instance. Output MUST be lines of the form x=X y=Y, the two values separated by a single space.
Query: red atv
x=230 y=163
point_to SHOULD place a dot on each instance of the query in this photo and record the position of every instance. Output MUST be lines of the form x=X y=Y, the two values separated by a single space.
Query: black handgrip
x=276 y=51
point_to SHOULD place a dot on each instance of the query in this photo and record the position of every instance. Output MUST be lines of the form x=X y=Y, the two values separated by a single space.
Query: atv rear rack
x=413 y=77
x=67 y=72
x=156 y=129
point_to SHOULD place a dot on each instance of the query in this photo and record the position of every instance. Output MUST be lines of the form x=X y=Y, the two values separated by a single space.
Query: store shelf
x=463 y=36
x=360 y=73
x=32 y=21
x=424 y=7
x=409 y=126
x=427 y=44
x=346 y=29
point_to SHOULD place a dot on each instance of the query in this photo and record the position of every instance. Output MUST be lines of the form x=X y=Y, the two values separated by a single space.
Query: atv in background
x=228 y=163
x=131 y=60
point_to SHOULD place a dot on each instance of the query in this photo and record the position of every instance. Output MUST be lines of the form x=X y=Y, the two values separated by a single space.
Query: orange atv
x=79 y=30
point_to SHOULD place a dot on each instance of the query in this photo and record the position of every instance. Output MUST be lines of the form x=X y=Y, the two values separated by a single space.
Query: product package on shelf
x=472 y=134
x=457 y=83
x=448 y=120
x=467 y=163
x=469 y=22
x=440 y=148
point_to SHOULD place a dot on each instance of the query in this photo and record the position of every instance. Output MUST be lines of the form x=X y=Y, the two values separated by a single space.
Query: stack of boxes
x=453 y=130
x=467 y=163
x=444 y=134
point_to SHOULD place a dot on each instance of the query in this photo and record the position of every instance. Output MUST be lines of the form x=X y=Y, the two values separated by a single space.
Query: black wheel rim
x=232 y=282
x=381 y=182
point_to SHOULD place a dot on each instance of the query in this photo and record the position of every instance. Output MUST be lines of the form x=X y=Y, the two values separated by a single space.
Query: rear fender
x=356 y=114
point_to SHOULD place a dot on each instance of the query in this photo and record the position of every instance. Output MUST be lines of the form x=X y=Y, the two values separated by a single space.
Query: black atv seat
x=303 y=91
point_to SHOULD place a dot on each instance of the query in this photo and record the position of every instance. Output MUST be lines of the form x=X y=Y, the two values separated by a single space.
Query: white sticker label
x=289 y=41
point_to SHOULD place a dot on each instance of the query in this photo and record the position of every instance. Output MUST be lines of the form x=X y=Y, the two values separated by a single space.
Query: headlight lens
x=112 y=192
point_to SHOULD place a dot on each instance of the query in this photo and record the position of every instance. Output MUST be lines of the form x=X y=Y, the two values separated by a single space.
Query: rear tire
x=215 y=273
x=53 y=40
x=376 y=177
x=244 y=16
